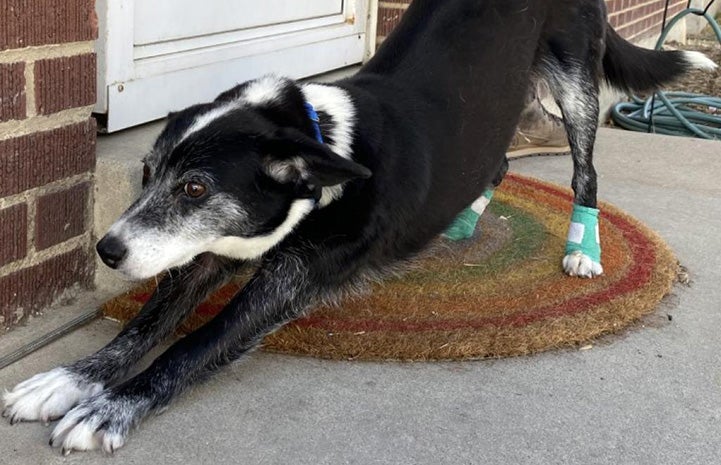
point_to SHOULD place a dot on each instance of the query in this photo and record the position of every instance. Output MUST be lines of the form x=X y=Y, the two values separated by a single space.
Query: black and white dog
x=408 y=142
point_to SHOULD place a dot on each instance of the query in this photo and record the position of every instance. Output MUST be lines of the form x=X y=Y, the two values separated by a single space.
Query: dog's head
x=232 y=177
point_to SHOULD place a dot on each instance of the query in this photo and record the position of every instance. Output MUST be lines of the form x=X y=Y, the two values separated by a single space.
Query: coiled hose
x=673 y=113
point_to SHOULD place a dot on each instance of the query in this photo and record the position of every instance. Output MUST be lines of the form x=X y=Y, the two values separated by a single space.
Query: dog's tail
x=632 y=68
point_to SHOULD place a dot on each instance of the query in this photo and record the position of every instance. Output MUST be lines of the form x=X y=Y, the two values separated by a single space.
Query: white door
x=156 y=56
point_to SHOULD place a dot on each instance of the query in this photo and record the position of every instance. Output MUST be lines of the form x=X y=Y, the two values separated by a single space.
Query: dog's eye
x=194 y=190
x=146 y=175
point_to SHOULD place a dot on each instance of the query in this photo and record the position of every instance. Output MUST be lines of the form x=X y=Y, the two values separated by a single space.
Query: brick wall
x=636 y=19
x=47 y=152
x=633 y=19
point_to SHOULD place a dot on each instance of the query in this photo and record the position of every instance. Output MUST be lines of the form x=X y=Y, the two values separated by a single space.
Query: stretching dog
x=408 y=142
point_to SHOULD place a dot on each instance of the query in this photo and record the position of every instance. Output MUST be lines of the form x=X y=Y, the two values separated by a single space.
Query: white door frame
x=142 y=83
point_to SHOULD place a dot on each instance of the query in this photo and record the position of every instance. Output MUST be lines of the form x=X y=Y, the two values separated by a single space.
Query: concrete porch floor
x=649 y=396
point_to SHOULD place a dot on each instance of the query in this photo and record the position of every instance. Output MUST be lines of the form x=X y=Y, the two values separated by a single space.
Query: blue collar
x=313 y=115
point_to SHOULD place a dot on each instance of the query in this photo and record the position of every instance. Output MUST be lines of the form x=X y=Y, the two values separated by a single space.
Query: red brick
x=12 y=91
x=61 y=215
x=66 y=82
x=37 y=159
x=388 y=19
x=43 y=22
x=652 y=12
x=13 y=233
x=31 y=289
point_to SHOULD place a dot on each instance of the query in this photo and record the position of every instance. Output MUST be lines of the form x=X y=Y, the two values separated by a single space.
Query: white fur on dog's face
x=153 y=247
x=152 y=250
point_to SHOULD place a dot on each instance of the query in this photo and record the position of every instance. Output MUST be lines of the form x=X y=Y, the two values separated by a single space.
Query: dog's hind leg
x=575 y=89
x=50 y=395
x=278 y=292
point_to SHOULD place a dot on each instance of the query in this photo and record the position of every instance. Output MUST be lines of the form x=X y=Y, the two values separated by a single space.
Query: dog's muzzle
x=112 y=251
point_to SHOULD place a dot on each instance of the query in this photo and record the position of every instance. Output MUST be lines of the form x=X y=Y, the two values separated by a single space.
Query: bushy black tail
x=632 y=68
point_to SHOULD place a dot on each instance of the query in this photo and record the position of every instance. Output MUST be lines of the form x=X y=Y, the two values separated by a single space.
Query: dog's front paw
x=47 y=396
x=103 y=421
x=579 y=264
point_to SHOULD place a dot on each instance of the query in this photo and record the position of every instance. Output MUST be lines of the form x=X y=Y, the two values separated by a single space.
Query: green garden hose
x=673 y=113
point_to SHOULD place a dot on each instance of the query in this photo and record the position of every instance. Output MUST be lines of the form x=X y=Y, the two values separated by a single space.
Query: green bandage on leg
x=465 y=223
x=583 y=233
x=463 y=226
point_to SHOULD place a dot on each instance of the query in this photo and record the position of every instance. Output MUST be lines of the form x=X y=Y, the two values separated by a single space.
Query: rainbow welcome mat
x=500 y=293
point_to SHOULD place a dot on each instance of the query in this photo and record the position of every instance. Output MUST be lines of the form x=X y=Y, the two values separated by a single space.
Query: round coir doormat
x=500 y=293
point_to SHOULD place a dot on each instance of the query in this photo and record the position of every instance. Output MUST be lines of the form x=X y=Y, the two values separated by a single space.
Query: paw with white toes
x=101 y=422
x=579 y=264
x=47 y=396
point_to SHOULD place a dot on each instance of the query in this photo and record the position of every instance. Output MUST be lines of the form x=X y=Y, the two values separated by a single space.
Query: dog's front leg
x=50 y=395
x=275 y=295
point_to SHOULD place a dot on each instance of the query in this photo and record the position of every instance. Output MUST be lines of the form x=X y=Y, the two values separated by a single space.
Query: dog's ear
x=291 y=156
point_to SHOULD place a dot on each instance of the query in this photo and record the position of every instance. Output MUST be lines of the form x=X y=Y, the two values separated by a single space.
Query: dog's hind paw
x=47 y=396
x=101 y=422
x=579 y=264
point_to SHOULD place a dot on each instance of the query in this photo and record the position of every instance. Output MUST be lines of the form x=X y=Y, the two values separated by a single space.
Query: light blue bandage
x=583 y=233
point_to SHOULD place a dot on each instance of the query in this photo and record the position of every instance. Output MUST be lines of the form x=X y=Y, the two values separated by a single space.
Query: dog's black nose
x=111 y=251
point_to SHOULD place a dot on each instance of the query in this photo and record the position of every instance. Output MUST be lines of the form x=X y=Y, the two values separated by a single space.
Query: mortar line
x=49 y=188
x=81 y=241
x=42 y=123
x=31 y=202
x=30 y=109
x=42 y=52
